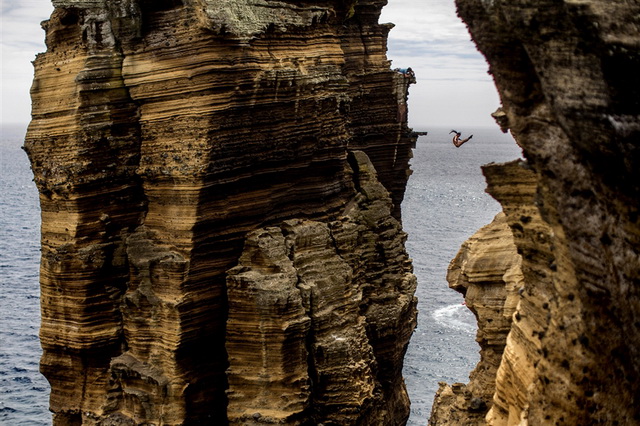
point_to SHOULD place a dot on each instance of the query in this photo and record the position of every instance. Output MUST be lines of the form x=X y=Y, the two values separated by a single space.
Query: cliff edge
x=566 y=72
x=220 y=184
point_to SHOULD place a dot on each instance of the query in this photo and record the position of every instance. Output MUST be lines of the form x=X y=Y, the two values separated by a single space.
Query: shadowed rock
x=566 y=74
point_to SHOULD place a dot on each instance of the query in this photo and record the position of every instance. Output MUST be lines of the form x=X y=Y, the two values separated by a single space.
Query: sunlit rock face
x=487 y=271
x=167 y=138
x=566 y=73
x=515 y=185
x=301 y=308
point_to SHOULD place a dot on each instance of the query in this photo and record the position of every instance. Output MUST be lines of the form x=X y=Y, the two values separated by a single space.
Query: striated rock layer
x=168 y=135
x=515 y=186
x=487 y=271
x=313 y=362
x=566 y=72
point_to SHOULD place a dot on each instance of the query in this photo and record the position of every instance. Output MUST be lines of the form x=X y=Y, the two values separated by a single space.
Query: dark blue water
x=23 y=390
x=444 y=205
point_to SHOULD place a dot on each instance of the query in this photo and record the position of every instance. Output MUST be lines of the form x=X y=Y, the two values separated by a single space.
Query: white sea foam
x=457 y=317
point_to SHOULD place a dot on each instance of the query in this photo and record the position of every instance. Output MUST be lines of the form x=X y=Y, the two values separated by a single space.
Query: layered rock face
x=487 y=271
x=168 y=135
x=566 y=74
x=515 y=185
x=312 y=361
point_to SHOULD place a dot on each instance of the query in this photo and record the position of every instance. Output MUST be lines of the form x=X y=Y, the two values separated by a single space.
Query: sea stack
x=566 y=72
x=220 y=183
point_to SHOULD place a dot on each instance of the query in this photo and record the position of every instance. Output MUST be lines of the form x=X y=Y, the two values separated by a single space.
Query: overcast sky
x=453 y=87
x=21 y=38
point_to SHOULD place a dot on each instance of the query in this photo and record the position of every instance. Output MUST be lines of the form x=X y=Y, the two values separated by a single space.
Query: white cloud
x=464 y=104
x=425 y=20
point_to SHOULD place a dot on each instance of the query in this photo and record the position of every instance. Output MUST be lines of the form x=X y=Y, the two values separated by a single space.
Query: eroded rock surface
x=165 y=132
x=515 y=186
x=566 y=75
x=487 y=271
x=309 y=339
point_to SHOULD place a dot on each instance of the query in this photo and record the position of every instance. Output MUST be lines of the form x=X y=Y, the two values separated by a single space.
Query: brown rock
x=515 y=185
x=302 y=313
x=487 y=272
x=163 y=133
x=566 y=74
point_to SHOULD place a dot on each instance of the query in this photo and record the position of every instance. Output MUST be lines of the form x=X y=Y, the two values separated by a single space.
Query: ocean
x=445 y=203
x=24 y=391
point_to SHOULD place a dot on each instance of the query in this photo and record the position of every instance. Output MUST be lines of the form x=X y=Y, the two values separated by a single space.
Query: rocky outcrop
x=565 y=71
x=168 y=135
x=307 y=332
x=515 y=186
x=487 y=271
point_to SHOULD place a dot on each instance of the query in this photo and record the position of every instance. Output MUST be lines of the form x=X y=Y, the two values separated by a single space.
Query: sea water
x=445 y=203
x=23 y=390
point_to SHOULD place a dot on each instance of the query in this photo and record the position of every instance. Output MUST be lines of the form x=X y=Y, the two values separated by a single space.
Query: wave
x=457 y=317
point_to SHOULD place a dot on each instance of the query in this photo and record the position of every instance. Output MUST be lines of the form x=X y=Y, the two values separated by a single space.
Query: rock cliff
x=566 y=74
x=487 y=271
x=220 y=184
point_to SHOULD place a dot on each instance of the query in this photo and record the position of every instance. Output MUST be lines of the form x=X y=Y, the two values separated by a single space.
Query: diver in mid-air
x=456 y=138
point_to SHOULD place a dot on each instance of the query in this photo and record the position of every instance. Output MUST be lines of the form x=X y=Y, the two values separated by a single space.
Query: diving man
x=456 y=138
